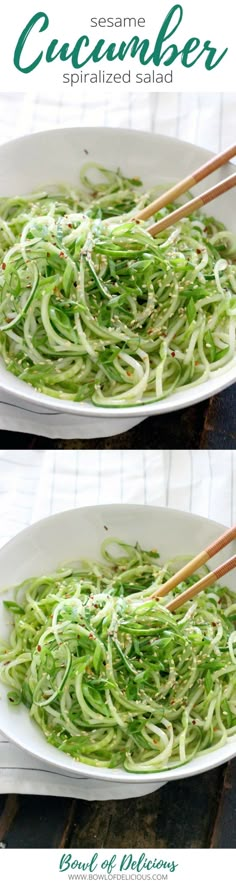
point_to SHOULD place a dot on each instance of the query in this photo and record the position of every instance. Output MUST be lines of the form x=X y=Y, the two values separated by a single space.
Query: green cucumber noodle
x=92 y=308
x=112 y=677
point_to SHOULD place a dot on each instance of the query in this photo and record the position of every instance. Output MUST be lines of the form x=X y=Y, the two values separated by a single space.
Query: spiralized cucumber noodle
x=92 y=308
x=111 y=676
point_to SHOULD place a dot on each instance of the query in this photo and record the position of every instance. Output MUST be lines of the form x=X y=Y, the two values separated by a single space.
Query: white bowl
x=79 y=533
x=51 y=157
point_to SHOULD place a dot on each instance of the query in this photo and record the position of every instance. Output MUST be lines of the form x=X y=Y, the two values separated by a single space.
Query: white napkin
x=205 y=119
x=36 y=484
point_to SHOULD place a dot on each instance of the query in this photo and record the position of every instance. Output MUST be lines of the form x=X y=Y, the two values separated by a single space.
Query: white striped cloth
x=36 y=484
x=206 y=119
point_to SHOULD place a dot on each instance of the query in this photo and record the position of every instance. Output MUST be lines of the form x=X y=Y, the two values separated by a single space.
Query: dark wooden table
x=209 y=425
x=198 y=812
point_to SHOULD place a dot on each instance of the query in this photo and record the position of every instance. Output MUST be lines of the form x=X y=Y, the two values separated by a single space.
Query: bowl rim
x=212 y=760
x=192 y=394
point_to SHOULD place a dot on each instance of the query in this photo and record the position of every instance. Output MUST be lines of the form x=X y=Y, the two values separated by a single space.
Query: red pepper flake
x=61 y=254
x=39 y=648
x=129 y=372
x=69 y=225
x=198 y=250
x=193 y=721
x=196 y=363
x=173 y=354
x=4 y=265
x=91 y=636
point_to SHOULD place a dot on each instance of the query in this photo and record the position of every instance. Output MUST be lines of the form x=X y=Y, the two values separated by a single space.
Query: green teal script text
x=123 y=862
x=165 y=50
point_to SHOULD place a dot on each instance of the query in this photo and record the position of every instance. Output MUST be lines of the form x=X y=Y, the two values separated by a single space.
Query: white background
x=208 y=864
x=68 y=21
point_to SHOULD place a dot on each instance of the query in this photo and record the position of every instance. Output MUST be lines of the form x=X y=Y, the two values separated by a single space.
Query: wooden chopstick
x=193 y=205
x=202 y=584
x=187 y=183
x=196 y=563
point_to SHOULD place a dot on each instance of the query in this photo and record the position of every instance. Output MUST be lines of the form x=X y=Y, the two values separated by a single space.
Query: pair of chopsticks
x=182 y=187
x=195 y=564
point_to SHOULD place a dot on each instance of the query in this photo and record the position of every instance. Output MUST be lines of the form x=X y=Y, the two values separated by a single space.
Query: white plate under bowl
x=51 y=157
x=79 y=533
